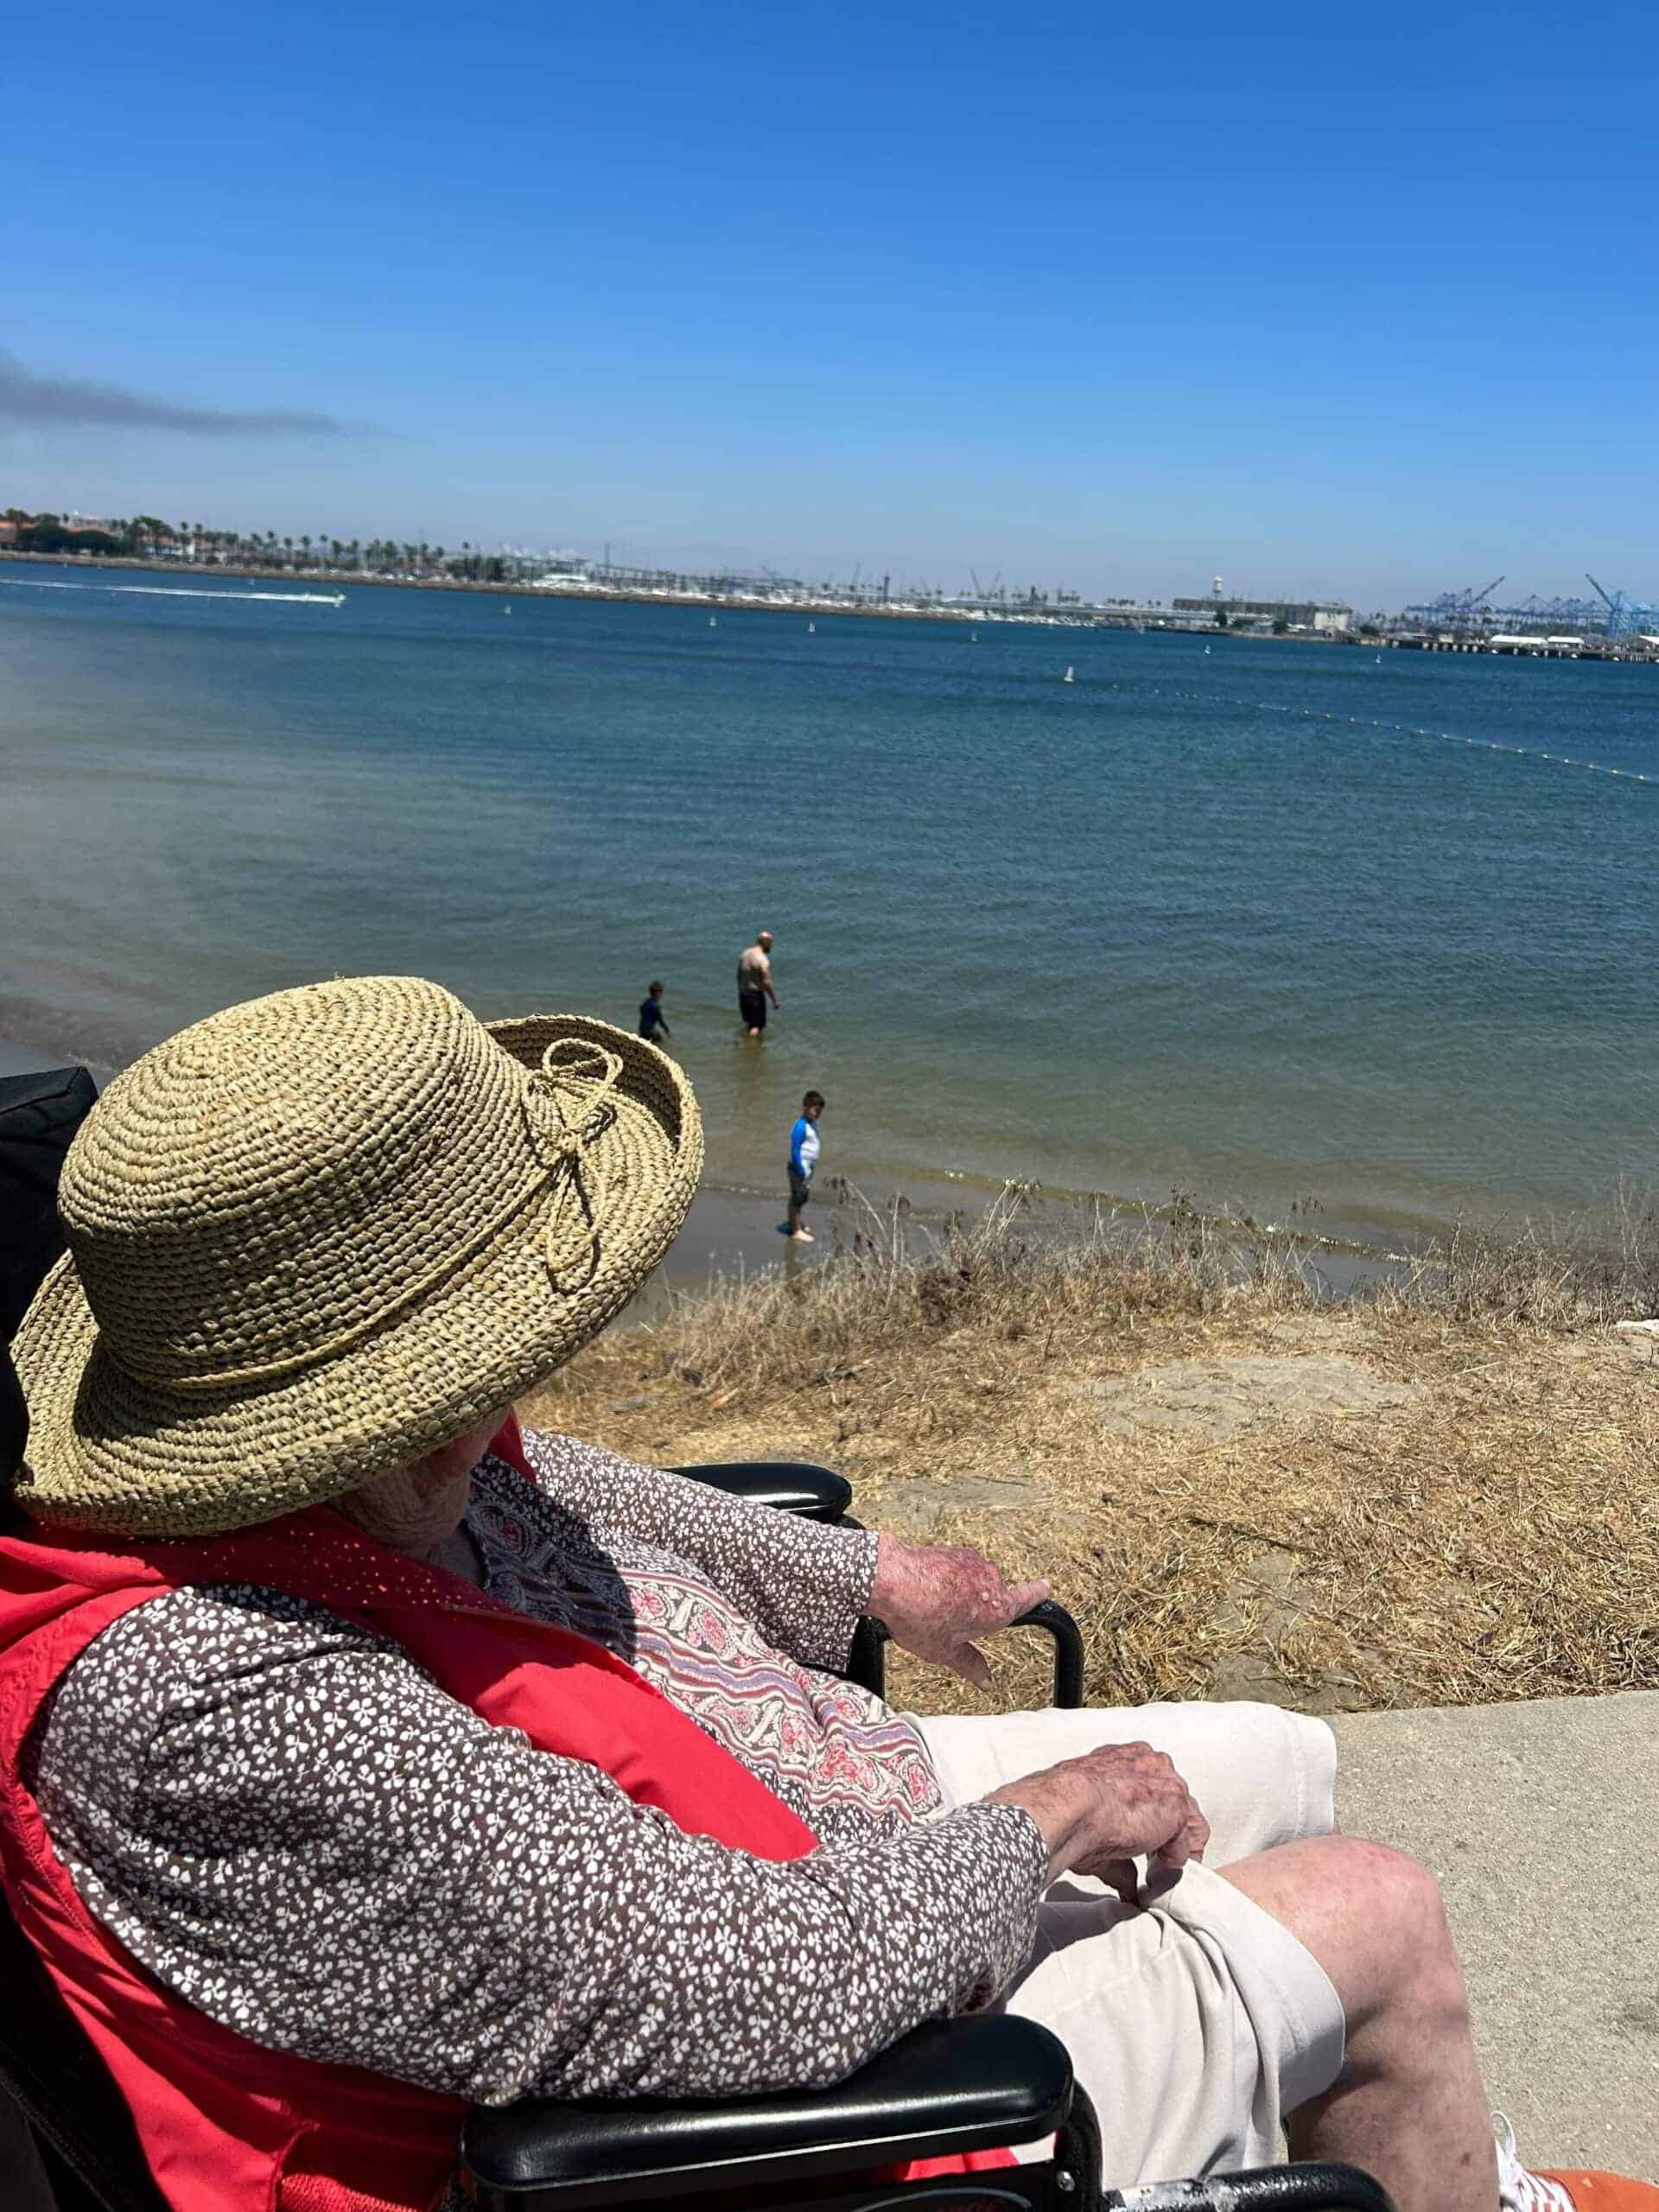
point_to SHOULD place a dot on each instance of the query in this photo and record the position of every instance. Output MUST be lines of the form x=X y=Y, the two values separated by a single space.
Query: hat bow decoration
x=568 y=1107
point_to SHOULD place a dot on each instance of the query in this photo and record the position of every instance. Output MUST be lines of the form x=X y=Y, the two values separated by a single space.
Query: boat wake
x=182 y=591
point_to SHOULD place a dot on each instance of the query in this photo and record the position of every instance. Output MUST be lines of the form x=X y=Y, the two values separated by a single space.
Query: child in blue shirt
x=803 y=1149
x=652 y=1025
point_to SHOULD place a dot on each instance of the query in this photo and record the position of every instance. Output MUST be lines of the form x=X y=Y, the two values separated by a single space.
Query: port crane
x=1626 y=616
x=1454 y=610
x=1607 y=600
x=1470 y=603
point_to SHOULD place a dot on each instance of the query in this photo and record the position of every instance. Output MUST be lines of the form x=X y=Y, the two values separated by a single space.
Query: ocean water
x=1268 y=922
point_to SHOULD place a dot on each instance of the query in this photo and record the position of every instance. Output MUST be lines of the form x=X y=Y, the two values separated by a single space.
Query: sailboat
x=711 y=621
x=811 y=629
x=1069 y=678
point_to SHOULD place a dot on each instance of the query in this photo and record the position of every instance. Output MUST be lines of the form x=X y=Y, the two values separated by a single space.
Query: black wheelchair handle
x=1054 y=1621
x=868 y=1664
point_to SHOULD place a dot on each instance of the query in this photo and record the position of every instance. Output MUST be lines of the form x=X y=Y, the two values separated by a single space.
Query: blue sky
x=1362 y=304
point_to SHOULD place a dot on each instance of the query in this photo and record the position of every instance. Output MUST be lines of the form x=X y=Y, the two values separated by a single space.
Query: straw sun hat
x=316 y=1235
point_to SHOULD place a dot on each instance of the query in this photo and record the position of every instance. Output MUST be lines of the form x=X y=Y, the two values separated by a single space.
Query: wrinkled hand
x=1098 y=1813
x=935 y=1599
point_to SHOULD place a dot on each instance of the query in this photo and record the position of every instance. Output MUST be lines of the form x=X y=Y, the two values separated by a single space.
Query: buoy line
x=1406 y=729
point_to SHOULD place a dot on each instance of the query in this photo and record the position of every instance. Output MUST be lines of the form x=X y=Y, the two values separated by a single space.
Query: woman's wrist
x=1057 y=1801
x=887 y=1582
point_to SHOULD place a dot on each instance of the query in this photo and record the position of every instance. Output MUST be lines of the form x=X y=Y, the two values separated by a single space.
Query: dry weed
x=1498 y=1538
x=1584 y=1271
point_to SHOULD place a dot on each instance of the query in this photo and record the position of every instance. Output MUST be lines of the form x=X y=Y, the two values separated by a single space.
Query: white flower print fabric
x=289 y=1824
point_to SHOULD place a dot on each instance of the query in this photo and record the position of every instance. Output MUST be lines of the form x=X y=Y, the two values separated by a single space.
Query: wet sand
x=24 y=1059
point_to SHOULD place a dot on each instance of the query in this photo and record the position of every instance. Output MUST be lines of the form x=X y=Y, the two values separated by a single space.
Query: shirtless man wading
x=754 y=983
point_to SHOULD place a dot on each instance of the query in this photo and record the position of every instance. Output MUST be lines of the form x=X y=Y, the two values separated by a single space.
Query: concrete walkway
x=1542 y=1823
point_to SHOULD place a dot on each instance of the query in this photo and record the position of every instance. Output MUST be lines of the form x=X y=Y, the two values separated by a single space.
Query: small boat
x=1069 y=678
x=339 y=598
x=811 y=629
x=1206 y=653
x=711 y=621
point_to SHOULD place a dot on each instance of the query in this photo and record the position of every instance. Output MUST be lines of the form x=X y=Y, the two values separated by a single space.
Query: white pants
x=1196 y=2024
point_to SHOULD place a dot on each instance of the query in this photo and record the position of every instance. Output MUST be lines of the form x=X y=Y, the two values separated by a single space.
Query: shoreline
x=342 y=579
x=1094 y=618
x=732 y=1231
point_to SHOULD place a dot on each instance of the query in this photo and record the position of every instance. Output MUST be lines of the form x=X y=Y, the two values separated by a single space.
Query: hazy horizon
x=1119 y=306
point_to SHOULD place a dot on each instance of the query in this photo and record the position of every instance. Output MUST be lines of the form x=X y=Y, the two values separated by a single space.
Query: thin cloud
x=48 y=402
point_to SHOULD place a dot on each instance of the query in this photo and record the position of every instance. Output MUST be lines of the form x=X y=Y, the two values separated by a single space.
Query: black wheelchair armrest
x=971 y=2084
x=815 y=1493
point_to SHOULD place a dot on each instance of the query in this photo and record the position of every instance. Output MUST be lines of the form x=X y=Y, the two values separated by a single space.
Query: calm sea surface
x=1255 y=920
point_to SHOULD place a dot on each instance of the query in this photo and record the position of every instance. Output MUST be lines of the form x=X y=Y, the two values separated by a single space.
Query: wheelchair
x=972 y=2084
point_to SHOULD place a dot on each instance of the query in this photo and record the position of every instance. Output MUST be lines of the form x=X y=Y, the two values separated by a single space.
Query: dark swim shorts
x=752 y=1005
x=800 y=1188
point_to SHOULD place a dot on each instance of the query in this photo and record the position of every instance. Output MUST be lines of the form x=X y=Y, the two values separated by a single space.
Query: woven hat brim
x=110 y=1452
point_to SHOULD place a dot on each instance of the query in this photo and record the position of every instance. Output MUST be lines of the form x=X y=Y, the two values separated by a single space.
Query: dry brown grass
x=1585 y=1271
x=1496 y=1538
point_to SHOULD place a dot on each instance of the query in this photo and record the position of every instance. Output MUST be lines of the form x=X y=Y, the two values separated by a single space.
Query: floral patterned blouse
x=288 y=1822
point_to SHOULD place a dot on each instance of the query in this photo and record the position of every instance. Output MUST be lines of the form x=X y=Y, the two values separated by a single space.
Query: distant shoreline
x=351 y=579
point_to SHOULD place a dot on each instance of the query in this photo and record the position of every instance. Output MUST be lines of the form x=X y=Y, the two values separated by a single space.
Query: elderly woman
x=360 y=1756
